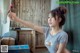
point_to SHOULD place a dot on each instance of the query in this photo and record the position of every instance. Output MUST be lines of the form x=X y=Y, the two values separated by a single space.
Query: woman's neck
x=55 y=29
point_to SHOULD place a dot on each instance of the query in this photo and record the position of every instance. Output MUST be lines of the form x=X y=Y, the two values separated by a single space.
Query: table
x=33 y=36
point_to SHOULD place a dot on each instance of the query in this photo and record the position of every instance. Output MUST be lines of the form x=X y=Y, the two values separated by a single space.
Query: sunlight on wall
x=5 y=21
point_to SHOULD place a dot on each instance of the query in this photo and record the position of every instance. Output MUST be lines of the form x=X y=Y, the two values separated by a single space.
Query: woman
x=55 y=38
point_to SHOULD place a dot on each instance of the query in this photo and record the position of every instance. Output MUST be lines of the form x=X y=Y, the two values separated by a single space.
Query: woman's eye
x=48 y=17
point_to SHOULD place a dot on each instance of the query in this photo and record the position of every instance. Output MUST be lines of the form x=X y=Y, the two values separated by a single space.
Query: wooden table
x=33 y=36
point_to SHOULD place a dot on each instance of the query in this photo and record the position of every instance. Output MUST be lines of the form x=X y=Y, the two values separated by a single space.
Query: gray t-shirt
x=55 y=40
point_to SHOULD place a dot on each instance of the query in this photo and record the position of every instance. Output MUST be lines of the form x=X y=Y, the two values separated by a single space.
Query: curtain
x=72 y=25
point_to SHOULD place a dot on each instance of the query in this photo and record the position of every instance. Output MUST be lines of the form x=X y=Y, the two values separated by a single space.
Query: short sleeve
x=63 y=38
x=45 y=30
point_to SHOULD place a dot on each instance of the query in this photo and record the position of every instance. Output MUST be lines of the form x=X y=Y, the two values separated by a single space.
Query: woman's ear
x=60 y=19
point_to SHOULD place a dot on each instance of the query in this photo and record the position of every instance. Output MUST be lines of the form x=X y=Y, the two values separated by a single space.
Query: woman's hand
x=13 y=16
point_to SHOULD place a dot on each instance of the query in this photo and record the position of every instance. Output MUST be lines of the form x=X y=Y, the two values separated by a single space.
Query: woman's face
x=52 y=21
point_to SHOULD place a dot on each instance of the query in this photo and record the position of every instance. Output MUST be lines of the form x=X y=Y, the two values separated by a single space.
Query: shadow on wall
x=70 y=40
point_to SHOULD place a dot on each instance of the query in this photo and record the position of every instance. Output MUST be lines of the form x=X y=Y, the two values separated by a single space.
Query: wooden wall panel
x=35 y=11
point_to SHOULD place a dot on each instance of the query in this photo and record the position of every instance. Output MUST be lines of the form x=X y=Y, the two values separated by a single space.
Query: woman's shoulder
x=63 y=33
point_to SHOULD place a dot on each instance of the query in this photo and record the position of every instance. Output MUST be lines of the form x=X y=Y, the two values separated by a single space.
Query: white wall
x=1 y=14
x=5 y=21
x=54 y=4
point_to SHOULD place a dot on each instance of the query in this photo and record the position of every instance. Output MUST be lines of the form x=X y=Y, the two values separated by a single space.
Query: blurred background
x=36 y=11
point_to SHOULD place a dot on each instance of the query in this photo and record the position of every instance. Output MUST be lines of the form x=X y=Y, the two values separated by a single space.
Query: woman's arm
x=61 y=48
x=26 y=23
x=62 y=45
x=31 y=25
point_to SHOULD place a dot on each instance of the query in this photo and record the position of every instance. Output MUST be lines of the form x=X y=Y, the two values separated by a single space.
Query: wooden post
x=33 y=41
